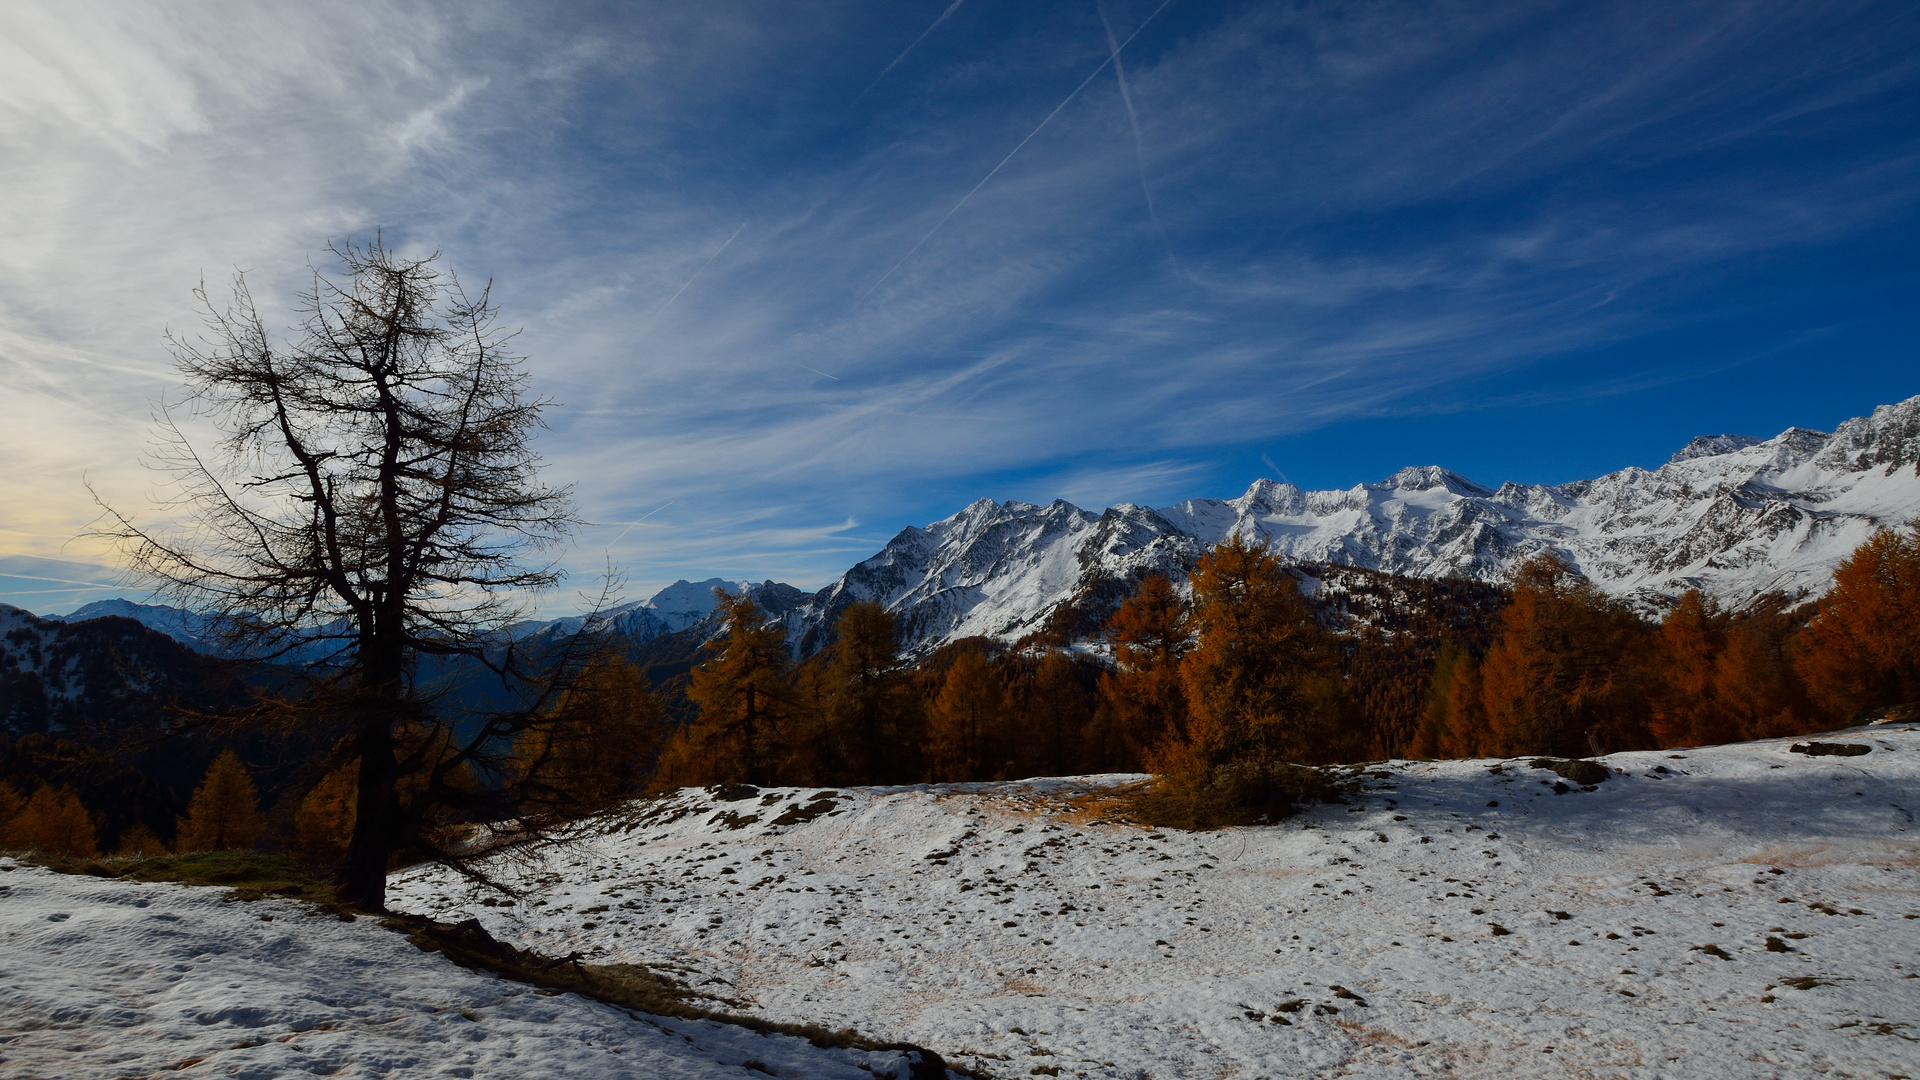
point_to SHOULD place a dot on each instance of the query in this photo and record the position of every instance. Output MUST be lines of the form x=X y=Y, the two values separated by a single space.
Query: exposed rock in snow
x=1731 y=911
x=1733 y=516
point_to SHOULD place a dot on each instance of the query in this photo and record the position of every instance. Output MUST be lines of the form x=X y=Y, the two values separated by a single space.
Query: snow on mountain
x=1731 y=911
x=1733 y=516
x=120 y=978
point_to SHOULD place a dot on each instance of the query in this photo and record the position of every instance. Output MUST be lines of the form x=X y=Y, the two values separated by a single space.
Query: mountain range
x=1734 y=516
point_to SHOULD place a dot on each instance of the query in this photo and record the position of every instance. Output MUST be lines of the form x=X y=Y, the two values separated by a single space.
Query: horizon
x=800 y=279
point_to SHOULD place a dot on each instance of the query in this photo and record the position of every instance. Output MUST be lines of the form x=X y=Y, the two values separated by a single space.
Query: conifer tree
x=137 y=839
x=324 y=819
x=225 y=812
x=598 y=746
x=1150 y=634
x=872 y=710
x=1687 y=710
x=1862 y=650
x=746 y=698
x=10 y=806
x=964 y=727
x=1564 y=675
x=54 y=822
x=1754 y=679
x=1056 y=710
x=1259 y=683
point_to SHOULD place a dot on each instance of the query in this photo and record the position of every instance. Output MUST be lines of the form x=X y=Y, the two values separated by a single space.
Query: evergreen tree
x=225 y=812
x=54 y=822
x=1862 y=650
x=964 y=728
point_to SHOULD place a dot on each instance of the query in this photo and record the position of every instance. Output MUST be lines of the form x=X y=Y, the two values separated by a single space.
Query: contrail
x=631 y=524
x=822 y=374
x=1023 y=142
x=951 y=8
x=1139 y=147
x=703 y=267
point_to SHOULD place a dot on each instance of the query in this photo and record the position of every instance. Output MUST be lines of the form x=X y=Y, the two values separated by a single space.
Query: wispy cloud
x=1373 y=206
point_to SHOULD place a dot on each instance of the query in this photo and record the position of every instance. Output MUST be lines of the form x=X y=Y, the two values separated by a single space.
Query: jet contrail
x=1139 y=147
x=951 y=8
x=703 y=267
x=822 y=374
x=1023 y=142
x=631 y=524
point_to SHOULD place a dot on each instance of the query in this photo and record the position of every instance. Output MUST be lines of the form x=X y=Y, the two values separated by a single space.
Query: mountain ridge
x=1735 y=516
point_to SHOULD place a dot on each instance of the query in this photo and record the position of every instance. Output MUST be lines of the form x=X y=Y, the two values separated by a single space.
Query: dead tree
x=373 y=500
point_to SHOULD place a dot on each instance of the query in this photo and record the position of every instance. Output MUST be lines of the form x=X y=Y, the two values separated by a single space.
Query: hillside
x=1738 y=911
x=118 y=978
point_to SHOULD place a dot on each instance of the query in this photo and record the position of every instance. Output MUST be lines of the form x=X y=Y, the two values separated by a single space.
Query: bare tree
x=374 y=499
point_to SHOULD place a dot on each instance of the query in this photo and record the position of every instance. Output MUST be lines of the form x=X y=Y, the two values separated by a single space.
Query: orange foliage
x=225 y=811
x=1862 y=650
x=1565 y=676
x=1150 y=635
x=54 y=822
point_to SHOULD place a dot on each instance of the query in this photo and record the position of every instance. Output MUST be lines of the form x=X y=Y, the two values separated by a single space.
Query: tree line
x=373 y=509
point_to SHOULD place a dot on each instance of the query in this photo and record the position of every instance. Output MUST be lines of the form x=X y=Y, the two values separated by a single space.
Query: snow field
x=117 y=979
x=1740 y=911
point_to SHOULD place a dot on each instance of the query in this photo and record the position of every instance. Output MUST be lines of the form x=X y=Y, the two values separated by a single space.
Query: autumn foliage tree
x=871 y=712
x=225 y=811
x=965 y=726
x=53 y=822
x=1862 y=650
x=746 y=699
x=1150 y=634
x=1564 y=676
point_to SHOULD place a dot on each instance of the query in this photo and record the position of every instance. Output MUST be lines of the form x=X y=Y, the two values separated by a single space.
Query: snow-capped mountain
x=1734 y=516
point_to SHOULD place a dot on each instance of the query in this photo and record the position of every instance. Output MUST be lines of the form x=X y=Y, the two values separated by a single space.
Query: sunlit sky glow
x=800 y=274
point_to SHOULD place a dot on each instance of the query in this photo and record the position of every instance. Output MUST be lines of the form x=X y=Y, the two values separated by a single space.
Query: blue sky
x=800 y=274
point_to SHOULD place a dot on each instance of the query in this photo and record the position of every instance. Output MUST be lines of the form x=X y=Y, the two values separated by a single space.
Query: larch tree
x=373 y=497
x=55 y=822
x=1260 y=686
x=1862 y=650
x=224 y=814
x=1150 y=634
x=873 y=712
x=746 y=698
x=964 y=728
x=1564 y=675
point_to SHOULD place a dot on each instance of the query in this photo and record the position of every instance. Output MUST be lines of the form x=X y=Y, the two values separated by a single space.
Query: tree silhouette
x=373 y=500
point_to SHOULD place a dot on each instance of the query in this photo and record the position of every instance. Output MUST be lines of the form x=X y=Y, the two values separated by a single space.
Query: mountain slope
x=1733 y=516
x=1730 y=911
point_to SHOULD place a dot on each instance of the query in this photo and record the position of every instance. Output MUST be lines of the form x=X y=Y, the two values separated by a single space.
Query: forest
x=1221 y=690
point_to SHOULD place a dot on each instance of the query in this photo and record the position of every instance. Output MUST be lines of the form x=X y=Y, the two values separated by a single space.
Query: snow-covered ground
x=117 y=979
x=1739 y=911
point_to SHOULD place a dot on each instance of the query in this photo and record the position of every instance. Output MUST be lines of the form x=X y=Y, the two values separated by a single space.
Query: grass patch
x=1235 y=795
x=250 y=875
